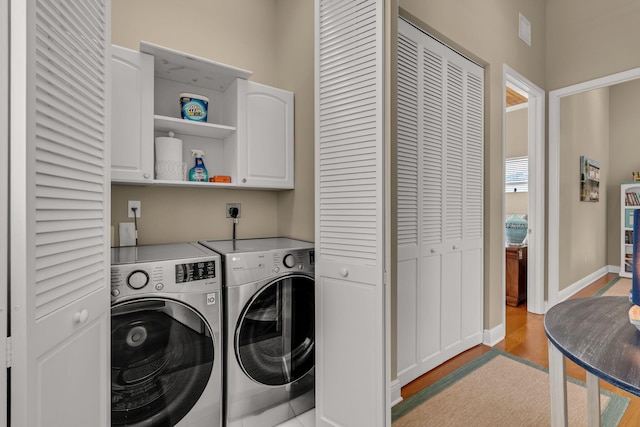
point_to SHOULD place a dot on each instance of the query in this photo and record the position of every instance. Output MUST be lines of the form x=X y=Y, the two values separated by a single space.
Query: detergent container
x=168 y=158
x=194 y=107
x=199 y=171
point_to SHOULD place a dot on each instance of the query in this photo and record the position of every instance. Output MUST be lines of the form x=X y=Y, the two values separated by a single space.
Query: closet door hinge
x=8 y=347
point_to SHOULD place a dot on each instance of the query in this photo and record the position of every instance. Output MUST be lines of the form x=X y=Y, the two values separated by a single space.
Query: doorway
x=536 y=187
x=554 y=169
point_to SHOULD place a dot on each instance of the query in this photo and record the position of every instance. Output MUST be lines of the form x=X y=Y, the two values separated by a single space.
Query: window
x=517 y=175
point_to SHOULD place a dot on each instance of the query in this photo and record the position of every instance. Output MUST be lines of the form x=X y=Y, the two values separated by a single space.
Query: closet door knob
x=81 y=316
x=344 y=272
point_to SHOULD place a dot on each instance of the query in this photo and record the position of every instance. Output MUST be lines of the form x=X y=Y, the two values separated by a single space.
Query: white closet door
x=351 y=376
x=439 y=203
x=59 y=213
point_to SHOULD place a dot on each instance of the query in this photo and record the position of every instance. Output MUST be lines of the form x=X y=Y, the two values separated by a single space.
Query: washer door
x=275 y=334
x=161 y=359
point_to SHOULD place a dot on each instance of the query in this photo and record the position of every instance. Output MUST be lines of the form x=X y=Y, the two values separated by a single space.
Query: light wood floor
x=525 y=338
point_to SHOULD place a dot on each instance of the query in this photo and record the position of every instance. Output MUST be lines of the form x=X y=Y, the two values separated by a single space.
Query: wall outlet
x=233 y=205
x=134 y=204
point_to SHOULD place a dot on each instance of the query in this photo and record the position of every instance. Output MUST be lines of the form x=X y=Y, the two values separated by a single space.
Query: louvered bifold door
x=408 y=199
x=351 y=381
x=440 y=152
x=59 y=213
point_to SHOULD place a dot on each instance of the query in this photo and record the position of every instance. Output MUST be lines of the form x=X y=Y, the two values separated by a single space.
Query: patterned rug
x=499 y=389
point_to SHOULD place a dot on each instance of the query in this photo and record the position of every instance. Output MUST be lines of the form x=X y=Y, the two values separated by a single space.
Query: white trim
x=4 y=199
x=554 y=169
x=518 y=107
x=491 y=337
x=396 y=389
x=583 y=283
x=613 y=269
x=536 y=153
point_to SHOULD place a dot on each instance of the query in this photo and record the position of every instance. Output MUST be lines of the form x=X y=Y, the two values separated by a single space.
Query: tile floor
x=307 y=419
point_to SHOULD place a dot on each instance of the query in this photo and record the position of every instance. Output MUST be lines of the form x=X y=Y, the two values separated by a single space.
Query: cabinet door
x=265 y=136
x=131 y=115
x=59 y=213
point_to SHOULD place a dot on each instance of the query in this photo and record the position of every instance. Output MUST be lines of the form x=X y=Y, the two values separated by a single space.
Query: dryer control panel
x=243 y=268
x=175 y=276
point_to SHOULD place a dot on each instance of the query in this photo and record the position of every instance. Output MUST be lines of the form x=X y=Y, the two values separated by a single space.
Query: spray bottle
x=199 y=171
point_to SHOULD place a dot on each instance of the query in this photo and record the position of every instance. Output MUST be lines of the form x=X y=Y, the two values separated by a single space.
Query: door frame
x=554 y=169
x=4 y=197
x=536 y=219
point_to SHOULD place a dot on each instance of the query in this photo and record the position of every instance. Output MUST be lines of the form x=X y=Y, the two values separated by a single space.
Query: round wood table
x=596 y=334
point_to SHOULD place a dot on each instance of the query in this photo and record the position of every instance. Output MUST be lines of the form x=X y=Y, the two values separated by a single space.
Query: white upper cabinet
x=131 y=115
x=248 y=135
x=264 y=136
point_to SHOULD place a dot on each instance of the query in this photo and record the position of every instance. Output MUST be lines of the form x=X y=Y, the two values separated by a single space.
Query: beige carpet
x=619 y=287
x=495 y=390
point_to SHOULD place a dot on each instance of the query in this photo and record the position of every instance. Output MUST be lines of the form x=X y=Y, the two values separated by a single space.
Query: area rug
x=499 y=389
x=618 y=287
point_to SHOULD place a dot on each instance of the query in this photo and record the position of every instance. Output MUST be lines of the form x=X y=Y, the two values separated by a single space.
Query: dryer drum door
x=275 y=334
x=161 y=360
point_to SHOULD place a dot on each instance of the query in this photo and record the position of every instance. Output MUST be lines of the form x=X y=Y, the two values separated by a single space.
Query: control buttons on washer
x=159 y=286
x=115 y=292
x=289 y=261
x=276 y=270
x=138 y=279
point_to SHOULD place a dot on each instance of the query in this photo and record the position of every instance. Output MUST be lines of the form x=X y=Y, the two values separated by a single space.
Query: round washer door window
x=161 y=359
x=275 y=335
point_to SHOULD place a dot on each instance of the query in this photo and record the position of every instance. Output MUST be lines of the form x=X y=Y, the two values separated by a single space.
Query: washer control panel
x=175 y=276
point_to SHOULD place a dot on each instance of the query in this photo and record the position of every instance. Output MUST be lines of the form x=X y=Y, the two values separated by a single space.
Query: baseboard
x=613 y=269
x=493 y=336
x=396 y=396
x=584 y=282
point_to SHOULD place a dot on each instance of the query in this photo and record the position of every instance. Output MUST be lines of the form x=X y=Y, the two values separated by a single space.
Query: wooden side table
x=516 y=280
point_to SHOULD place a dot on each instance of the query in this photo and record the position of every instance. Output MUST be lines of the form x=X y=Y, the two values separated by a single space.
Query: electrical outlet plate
x=233 y=205
x=134 y=204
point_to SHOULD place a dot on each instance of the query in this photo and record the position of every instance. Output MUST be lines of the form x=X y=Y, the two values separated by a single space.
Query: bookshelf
x=629 y=202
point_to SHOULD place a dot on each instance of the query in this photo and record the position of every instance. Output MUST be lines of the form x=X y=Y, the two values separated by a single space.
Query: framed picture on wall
x=589 y=180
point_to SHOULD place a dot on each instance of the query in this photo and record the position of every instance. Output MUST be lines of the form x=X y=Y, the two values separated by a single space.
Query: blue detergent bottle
x=199 y=172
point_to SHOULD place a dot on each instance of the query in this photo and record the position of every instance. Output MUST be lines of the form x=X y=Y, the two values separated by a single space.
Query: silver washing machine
x=166 y=352
x=269 y=329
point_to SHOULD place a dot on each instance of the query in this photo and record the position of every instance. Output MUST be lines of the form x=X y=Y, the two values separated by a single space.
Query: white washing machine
x=166 y=344
x=269 y=330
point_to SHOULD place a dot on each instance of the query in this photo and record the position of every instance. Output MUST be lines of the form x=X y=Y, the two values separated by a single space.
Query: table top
x=596 y=334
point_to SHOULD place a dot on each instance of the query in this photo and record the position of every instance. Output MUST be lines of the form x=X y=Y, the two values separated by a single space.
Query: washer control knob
x=276 y=270
x=289 y=261
x=115 y=292
x=159 y=286
x=138 y=279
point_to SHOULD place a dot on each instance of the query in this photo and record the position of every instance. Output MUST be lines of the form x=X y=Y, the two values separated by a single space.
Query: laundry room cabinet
x=248 y=135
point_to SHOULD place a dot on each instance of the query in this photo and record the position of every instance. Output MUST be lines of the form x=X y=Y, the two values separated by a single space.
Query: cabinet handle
x=433 y=251
x=244 y=179
x=146 y=176
x=344 y=272
x=81 y=316
x=455 y=247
